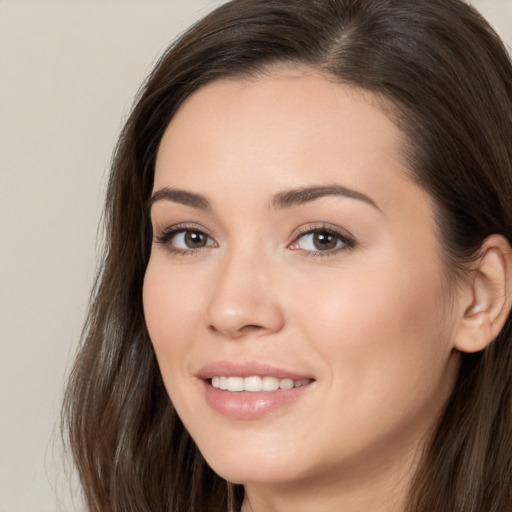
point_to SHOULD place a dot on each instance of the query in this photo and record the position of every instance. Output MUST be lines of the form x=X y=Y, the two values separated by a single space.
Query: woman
x=305 y=298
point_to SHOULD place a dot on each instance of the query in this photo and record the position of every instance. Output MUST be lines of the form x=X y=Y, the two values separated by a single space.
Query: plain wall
x=69 y=71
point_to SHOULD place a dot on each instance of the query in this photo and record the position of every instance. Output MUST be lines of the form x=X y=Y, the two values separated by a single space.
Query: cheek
x=170 y=310
x=385 y=332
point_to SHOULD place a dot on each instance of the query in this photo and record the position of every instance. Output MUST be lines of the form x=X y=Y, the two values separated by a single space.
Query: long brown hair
x=449 y=78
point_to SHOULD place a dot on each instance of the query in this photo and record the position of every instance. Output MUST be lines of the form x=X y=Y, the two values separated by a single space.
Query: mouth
x=255 y=383
x=249 y=391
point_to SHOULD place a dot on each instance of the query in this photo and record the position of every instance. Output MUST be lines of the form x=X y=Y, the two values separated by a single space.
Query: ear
x=486 y=296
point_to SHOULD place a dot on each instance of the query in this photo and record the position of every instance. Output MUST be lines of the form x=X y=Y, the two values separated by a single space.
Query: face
x=291 y=251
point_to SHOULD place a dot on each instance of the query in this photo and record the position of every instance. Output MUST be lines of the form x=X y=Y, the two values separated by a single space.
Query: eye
x=321 y=240
x=181 y=240
x=190 y=240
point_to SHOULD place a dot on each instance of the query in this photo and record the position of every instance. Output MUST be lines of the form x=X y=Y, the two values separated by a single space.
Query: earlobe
x=487 y=296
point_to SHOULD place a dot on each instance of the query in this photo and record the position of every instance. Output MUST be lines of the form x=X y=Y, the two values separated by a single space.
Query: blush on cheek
x=160 y=294
x=171 y=314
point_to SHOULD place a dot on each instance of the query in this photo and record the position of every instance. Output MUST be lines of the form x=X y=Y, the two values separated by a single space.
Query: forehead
x=286 y=104
x=285 y=129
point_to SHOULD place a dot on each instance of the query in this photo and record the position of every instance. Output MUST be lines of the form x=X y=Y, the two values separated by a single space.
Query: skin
x=373 y=322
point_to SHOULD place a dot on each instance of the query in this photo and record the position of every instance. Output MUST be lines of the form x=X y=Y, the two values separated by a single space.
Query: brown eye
x=324 y=240
x=194 y=239
x=319 y=240
x=181 y=240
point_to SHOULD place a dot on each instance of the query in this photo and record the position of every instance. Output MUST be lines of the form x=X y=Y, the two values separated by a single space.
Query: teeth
x=235 y=384
x=286 y=384
x=253 y=384
x=256 y=383
x=270 y=384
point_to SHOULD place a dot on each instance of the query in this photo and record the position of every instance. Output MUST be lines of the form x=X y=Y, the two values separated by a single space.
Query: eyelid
x=166 y=235
x=346 y=238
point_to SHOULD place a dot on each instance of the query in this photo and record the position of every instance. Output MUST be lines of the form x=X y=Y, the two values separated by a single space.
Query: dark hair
x=449 y=79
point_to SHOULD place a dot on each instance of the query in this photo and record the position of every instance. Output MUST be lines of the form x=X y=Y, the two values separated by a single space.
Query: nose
x=244 y=299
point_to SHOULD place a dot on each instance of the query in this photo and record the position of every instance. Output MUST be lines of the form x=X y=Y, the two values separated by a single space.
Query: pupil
x=194 y=239
x=324 y=240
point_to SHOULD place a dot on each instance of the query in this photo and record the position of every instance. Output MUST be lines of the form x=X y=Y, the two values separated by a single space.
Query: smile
x=249 y=390
x=256 y=383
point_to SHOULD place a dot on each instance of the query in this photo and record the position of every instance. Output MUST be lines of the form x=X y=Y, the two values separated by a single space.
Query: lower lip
x=247 y=405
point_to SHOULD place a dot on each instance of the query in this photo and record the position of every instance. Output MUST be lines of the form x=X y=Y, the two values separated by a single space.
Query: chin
x=258 y=473
x=252 y=463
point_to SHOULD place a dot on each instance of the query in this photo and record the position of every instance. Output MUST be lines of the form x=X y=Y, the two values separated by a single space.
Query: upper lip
x=247 y=369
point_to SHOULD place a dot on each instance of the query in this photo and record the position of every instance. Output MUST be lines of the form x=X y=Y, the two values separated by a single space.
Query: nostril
x=250 y=328
x=246 y=329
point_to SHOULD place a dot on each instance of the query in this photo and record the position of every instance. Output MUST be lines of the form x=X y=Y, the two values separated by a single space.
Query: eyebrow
x=179 y=196
x=298 y=196
x=282 y=200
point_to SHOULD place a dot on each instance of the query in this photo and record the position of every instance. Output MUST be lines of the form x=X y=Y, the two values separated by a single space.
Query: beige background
x=69 y=70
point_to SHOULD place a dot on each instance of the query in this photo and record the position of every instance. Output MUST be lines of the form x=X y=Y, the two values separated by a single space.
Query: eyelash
x=168 y=234
x=347 y=242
